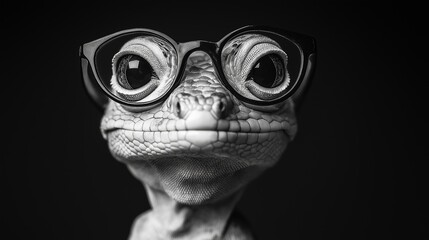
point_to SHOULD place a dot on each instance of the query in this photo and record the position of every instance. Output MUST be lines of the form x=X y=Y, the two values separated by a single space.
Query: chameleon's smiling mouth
x=199 y=127
x=196 y=139
x=198 y=132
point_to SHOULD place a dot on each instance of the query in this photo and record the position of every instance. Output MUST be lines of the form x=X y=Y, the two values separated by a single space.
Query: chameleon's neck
x=170 y=219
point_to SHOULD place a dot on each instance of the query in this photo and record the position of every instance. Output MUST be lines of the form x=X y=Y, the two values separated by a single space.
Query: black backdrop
x=357 y=169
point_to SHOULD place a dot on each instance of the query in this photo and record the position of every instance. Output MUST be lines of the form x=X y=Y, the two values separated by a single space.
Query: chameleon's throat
x=170 y=219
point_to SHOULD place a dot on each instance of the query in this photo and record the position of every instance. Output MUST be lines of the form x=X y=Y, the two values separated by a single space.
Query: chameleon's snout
x=218 y=105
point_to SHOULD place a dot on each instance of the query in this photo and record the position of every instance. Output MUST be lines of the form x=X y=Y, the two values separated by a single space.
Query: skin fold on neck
x=169 y=219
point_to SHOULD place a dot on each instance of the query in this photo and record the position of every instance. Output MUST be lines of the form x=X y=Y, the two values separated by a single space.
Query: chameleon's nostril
x=220 y=108
x=180 y=109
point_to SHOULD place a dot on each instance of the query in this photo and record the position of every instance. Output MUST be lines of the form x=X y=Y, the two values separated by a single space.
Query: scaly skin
x=202 y=144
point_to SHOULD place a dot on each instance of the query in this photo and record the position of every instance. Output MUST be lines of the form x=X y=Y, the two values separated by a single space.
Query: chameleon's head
x=202 y=142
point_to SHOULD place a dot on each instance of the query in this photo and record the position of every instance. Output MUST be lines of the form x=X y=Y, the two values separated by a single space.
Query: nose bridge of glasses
x=186 y=48
x=200 y=93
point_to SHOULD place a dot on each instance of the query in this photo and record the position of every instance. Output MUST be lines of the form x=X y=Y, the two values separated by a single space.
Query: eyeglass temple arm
x=94 y=92
x=310 y=63
x=298 y=96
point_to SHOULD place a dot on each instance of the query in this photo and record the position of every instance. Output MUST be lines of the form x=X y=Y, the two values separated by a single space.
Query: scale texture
x=202 y=144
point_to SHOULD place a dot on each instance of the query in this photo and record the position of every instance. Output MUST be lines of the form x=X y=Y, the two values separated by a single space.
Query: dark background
x=357 y=169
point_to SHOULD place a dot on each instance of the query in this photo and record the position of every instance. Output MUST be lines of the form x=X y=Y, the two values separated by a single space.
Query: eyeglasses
x=260 y=66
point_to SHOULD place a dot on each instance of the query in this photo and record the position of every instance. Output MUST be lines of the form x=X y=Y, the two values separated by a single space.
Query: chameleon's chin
x=201 y=179
x=197 y=167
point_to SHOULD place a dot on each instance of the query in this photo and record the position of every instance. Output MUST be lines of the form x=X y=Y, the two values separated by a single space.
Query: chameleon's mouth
x=195 y=139
x=200 y=128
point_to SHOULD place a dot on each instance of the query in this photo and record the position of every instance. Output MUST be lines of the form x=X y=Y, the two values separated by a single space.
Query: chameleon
x=196 y=151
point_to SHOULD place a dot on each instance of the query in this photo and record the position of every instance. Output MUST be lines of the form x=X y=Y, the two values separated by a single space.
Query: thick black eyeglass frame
x=304 y=43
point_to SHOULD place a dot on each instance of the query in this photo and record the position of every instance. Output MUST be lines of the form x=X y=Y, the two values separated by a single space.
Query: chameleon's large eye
x=256 y=67
x=135 y=77
x=268 y=71
x=144 y=70
x=134 y=72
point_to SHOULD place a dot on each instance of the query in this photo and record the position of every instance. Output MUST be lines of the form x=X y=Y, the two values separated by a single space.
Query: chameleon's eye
x=144 y=70
x=256 y=67
x=135 y=77
x=134 y=72
x=268 y=71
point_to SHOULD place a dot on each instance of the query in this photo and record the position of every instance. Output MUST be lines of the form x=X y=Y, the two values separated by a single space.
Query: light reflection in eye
x=133 y=64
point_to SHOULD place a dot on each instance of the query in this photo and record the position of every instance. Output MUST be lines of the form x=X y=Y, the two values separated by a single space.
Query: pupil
x=134 y=72
x=268 y=71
